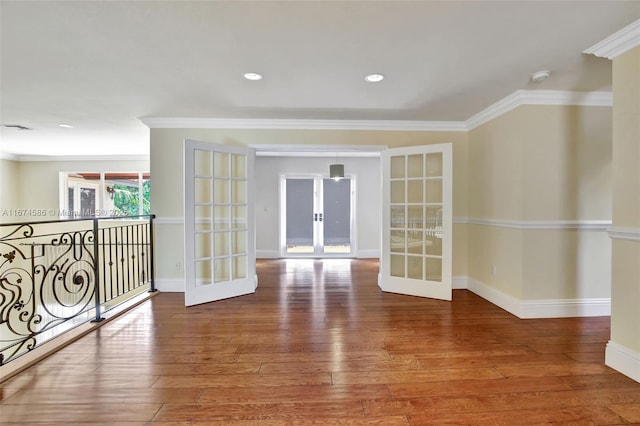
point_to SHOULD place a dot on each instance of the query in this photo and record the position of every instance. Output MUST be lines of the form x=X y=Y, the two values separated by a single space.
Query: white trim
x=8 y=156
x=299 y=124
x=538 y=97
x=623 y=359
x=285 y=150
x=617 y=43
x=168 y=220
x=564 y=308
x=506 y=104
x=169 y=285
x=628 y=234
x=267 y=254
x=498 y=298
x=70 y=158
x=368 y=254
x=585 y=225
x=541 y=308
x=460 y=282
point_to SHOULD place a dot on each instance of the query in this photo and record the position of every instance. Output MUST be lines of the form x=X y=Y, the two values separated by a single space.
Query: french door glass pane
x=415 y=192
x=202 y=163
x=239 y=216
x=299 y=216
x=397 y=191
x=222 y=218
x=221 y=244
x=336 y=215
x=221 y=270
x=415 y=166
x=203 y=272
x=221 y=191
x=414 y=267
x=239 y=267
x=434 y=164
x=397 y=217
x=397 y=241
x=397 y=167
x=238 y=166
x=221 y=164
x=434 y=191
x=397 y=265
x=203 y=245
x=434 y=268
x=239 y=191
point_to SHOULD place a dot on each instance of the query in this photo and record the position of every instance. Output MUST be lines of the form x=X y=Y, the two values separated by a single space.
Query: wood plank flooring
x=319 y=343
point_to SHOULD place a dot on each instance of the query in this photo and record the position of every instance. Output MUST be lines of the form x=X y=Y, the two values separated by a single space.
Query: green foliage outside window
x=126 y=200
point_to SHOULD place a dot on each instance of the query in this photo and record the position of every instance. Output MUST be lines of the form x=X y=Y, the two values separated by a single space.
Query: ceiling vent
x=16 y=126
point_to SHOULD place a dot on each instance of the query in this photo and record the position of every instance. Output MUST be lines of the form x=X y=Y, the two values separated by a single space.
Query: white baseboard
x=170 y=285
x=542 y=308
x=460 y=282
x=623 y=359
x=498 y=298
x=267 y=254
x=368 y=254
x=275 y=254
x=565 y=308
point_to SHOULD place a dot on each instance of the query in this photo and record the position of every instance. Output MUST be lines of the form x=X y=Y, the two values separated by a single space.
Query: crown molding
x=96 y=157
x=8 y=156
x=517 y=98
x=332 y=151
x=617 y=43
x=539 y=97
x=296 y=124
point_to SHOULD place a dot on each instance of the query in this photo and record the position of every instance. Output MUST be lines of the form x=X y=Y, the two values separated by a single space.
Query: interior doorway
x=317 y=217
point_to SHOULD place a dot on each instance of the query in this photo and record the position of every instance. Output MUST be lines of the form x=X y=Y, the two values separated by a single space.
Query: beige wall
x=531 y=170
x=625 y=295
x=39 y=181
x=9 y=189
x=368 y=208
x=167 y=172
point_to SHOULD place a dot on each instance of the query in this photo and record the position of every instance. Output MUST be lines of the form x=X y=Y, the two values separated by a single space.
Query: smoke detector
x=540 y=76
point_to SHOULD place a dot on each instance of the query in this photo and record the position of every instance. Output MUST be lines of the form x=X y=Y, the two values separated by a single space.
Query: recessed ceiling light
x=66 y=126
x=253 y=76
x=540 y=76
x=374 y=78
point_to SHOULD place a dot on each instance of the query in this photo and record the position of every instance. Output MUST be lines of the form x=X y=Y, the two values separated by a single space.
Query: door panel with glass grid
x=219 y=230
x=317 y=216
x=417 y=221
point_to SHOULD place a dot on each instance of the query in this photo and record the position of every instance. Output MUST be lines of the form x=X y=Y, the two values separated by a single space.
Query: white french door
x=317 y=216
x=417 y=221
x=220 y=253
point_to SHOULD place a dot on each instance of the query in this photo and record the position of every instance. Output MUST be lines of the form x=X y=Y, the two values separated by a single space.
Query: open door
x=220 y=253
x=417 y=221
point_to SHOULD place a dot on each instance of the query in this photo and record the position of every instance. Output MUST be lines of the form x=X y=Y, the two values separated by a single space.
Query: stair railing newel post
x=152 y=273
x=96 y=272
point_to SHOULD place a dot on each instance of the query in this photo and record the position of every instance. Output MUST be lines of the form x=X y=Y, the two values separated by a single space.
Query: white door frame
x=318 y=208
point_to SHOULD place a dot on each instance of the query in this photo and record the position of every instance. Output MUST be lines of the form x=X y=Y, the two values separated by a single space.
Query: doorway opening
x=317 y=217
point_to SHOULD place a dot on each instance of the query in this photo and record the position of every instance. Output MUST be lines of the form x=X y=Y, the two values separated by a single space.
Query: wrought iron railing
x=56 y=275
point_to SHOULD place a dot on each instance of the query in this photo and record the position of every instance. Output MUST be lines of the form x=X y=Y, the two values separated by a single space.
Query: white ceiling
x=101 y=65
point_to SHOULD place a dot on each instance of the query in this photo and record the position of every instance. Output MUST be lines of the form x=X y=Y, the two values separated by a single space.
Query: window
x=103 y=194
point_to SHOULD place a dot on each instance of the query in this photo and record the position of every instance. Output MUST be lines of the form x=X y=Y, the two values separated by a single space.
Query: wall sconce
x=111 y=191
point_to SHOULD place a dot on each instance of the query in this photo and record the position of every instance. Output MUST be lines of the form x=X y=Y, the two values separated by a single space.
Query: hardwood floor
x=319 y=343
